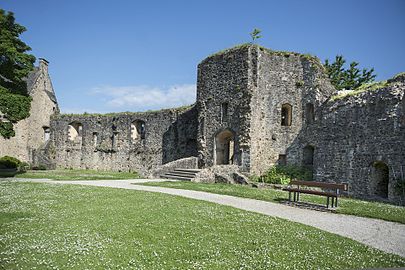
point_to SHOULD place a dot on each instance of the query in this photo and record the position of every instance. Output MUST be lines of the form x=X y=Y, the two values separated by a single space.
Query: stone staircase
x=180 y=174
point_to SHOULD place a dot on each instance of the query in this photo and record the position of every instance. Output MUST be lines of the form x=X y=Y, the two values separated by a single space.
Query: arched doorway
x=224 y=147
x=380 y=178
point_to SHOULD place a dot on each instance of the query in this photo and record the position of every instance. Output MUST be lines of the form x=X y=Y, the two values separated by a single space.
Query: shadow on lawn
x=305 y=205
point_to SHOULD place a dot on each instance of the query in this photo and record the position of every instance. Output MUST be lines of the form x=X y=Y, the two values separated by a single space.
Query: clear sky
x=128 y=55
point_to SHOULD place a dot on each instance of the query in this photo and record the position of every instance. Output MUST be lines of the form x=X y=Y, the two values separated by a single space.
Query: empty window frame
x=47 y=133
x=95 y=139
x=75 y=130
x=137 y=130
x=286 y=114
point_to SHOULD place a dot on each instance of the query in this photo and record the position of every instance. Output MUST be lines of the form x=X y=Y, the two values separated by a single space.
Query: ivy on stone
x=351 y=78
x=15 y=65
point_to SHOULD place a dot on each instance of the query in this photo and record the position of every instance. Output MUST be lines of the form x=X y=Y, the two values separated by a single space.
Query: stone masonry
x=255 y=108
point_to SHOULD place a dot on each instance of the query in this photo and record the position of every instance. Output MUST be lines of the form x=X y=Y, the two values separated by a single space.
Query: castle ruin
x=255 y=108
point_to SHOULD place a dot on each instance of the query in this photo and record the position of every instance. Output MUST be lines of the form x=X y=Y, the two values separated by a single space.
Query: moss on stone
x=363 y=88
x=85 y=114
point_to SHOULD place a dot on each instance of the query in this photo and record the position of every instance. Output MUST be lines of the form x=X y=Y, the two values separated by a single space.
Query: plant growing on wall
x=15 y=65
x=255 y=34
x=351 y=78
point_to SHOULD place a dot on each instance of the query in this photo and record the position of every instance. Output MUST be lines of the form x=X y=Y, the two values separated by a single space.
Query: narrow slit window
x=95 y=138
x=224 y=112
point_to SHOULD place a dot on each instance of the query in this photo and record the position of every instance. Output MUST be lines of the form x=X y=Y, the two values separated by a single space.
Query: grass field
x=346 y=206
x=45 y=226
x=78 y=175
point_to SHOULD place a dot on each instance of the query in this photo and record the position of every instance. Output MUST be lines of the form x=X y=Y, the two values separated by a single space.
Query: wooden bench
x=328 y=190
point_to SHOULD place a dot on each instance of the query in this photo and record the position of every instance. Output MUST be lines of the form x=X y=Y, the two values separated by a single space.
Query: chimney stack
x=43 y=64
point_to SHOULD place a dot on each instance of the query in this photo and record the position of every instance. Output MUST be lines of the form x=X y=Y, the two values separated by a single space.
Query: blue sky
x=124 y=55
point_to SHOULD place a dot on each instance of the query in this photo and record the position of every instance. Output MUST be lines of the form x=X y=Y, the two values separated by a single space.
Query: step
x=188 y=170
x=182 y=173
x=176 y=177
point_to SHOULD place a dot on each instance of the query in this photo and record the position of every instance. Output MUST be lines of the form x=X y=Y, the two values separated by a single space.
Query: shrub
x=23 y=167
x=8 y=162
x=284 y=174
x=40 y=167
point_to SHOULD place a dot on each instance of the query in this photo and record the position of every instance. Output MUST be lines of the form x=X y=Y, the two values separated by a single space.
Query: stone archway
x=224 y=147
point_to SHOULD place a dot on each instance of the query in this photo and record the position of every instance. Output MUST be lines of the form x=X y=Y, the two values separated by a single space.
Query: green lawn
x=78 y=175
x=346 y=206
x=44 y=226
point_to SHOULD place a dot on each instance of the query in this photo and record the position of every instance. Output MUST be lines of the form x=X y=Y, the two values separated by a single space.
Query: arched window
x=286 y=114
x=309 y=113
x=47 y=133
x=137 y=130
x=95 y=139
x=75 y=130
x=380 y=179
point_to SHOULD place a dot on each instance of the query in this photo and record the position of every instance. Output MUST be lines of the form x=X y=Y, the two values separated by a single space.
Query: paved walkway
x=383 y=235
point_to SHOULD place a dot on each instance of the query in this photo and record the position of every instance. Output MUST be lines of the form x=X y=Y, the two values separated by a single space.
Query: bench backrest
x=335 y=186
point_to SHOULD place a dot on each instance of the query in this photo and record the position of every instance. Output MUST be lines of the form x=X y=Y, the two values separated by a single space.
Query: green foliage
x=15 y=107
x=284 y=174
x=15 y=65
x=6 y=129
x=8 y=162
x=40 y=167
x=255 y=34
x=299 y=83
x=23 y=167
x=351 y=78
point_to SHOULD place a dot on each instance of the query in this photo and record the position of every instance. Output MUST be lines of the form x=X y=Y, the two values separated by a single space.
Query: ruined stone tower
x=253 y=102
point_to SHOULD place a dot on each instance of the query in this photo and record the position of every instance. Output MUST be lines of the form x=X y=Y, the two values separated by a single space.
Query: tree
x=15 y=65
x=255 y=34
x=351 y=78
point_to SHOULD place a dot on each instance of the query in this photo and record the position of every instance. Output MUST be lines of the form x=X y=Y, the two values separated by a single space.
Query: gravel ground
x=380 y=234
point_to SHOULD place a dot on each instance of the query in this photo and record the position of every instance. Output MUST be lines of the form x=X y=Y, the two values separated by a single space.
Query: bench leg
x=336 y=204
x=333 y=202
x=327 y=202
x=289 y=196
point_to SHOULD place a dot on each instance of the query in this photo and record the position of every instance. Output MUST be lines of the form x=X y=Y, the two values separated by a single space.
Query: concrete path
x=383 y=235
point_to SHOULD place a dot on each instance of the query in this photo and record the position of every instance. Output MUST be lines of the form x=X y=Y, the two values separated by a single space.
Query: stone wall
x=105 y=142
x=30 y=132
x=352 y=135
x=282 y=78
